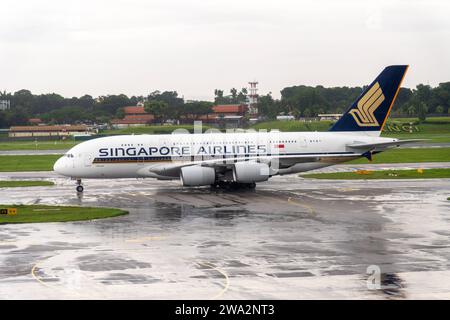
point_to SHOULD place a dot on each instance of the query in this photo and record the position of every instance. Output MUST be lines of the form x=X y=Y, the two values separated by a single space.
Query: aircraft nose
x=59 y=166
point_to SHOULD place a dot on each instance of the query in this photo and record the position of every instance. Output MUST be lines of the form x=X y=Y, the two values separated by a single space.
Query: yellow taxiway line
x=226 y=285
x=308 y=207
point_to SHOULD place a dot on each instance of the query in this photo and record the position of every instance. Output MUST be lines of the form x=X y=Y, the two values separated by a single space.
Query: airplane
x=240 y=160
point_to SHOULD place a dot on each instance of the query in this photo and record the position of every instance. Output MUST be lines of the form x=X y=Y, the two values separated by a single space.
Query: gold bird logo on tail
x=364 y=114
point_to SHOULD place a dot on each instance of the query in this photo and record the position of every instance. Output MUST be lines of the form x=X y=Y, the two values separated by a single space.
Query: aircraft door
x=87 y=159
x=302 y=142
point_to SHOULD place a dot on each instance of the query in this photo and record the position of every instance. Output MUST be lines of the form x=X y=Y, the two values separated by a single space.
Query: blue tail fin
x=370 y=111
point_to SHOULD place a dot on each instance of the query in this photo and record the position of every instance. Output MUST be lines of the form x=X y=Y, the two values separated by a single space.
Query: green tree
x=3 y=121
x=307 y=113
x=120 y=114
x=218 y=96
x=267 y=106
x=86 y=102
x=197 y=108
x=441 y=95
x=234 y=95
x=174 y=103
x=108 y=105
x=17 y=115
x=242 y=95
x=23 y=98
x=159 y=109
x=68 y=114
x=404 y=95
x=421 y=96
x=422 y=111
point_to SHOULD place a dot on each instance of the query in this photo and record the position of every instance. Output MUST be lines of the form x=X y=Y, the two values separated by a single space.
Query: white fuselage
x=162 y=156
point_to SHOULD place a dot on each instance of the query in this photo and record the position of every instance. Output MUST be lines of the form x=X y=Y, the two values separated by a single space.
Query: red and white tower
x=252 y=98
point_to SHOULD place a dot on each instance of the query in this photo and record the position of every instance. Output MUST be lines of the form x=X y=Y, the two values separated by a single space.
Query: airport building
x=5 y=105
x=134 y=116
x=35 y=121
x=225 y=114
x=329 y=116
x=285 y=118
x=229 y=114
x=47 y=131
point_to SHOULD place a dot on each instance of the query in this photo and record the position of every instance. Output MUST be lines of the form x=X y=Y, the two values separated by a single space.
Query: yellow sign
x=8 y=211
x=364 y=114
x=364 y=171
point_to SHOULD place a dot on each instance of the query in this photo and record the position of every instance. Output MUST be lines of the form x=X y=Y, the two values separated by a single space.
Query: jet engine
x=248 y=172
x=197 y=176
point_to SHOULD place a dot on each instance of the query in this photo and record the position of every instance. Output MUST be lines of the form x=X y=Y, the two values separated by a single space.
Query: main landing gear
x=79 y=187
x=232 y=185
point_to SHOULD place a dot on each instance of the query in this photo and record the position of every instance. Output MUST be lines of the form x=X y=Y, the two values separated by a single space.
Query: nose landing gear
x=79 y=187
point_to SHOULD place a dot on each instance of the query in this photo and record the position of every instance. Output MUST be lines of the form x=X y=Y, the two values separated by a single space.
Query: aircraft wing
x=173 y=167
x=382 y=144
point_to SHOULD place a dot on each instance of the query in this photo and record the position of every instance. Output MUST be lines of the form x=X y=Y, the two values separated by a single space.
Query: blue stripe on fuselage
x=222 y=156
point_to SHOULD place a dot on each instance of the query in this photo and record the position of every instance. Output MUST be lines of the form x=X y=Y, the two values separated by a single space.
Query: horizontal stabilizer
x=382 y=144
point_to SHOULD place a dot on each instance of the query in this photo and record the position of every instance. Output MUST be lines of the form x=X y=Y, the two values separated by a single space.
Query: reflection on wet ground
x=289 y=239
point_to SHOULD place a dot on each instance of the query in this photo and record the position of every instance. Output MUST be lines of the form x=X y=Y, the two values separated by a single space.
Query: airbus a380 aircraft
x=241 y=159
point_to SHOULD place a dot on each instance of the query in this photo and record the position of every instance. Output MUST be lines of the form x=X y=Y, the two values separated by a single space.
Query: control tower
x=252 y=99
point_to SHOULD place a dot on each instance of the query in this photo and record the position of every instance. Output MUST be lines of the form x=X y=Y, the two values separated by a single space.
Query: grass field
x=385 y=174
x=24 y=183
x=289 y=126
x=408 y=155
x=27 y=163
x=435 y=129
x=431 y=137
x=40 y=213
x=39 y=145
x=428 y=120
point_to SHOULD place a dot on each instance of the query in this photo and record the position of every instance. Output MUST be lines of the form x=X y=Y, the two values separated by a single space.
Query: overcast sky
x=103 y=47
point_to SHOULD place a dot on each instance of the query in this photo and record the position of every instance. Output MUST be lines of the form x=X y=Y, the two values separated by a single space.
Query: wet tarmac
x=31 y=152
x=291 y=238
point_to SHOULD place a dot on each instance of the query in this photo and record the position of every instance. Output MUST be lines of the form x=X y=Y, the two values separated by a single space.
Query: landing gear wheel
x=215 y=185
x=79 y=186
x=233 y=185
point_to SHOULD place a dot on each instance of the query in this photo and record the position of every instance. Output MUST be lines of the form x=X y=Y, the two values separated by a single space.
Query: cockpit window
x=69 y=155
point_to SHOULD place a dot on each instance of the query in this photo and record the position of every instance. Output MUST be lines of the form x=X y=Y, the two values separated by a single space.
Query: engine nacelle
x=248 y=172
x=197 y=176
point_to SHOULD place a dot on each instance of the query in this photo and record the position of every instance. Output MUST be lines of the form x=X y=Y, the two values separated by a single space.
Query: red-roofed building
x=230 y=109
x=134 y=116
x=47 y=131
x=220 y=112
x=134 y=110
x=34 y=121
x=230 y=114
